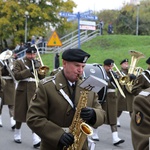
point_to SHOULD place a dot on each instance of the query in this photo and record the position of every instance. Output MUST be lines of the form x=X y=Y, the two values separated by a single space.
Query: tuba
x=135 y=57
x=6 y=59
x=79 y=128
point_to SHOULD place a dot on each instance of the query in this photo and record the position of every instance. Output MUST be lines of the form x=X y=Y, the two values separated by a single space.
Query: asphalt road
x=105 y=143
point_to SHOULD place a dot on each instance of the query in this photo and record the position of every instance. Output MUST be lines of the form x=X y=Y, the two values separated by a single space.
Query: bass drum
x=98 y=71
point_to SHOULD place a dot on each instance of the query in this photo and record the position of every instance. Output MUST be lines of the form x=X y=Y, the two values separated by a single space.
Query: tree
x=43 y=15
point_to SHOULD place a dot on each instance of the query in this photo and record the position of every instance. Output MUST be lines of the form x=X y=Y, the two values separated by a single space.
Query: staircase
x=71 y=40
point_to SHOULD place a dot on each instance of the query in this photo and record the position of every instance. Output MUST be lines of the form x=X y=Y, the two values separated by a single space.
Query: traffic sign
x=89 y=17
x=86 y=13
x=54 y=40
x=67 y=14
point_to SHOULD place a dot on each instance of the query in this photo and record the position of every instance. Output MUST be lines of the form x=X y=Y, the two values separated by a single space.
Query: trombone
x=117 y=84
x=35 y=74
x=43 y=70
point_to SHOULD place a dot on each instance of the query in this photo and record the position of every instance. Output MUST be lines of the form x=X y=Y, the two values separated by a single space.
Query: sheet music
x=93 y=83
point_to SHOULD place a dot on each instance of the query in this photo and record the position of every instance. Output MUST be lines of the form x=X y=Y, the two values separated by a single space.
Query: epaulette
x=47 y=79
x=144 y=93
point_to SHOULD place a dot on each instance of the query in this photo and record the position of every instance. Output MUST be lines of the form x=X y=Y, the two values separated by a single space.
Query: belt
x=66 y=130
x=111 y=90
x=29 y=80
x=7 y=77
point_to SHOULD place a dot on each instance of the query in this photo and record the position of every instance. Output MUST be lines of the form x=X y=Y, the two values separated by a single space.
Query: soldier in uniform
x=125 y=104
x=25 y=72
x=142 y=81
x=2 y=84
x=140 y=120
x=53 y=106
x=110 y=106
x=7 y=93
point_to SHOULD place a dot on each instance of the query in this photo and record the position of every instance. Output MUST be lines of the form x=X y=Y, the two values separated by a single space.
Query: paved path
x=105 y=143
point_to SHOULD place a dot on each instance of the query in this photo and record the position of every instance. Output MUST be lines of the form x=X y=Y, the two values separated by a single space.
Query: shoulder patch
x=138 y=118
x=47 y=79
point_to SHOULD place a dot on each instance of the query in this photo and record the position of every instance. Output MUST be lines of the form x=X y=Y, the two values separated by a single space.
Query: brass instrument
x=135 y=57
x=35 y=74
x=79 y=128
x=116 y=82
x=6 y=57
x=43 y=70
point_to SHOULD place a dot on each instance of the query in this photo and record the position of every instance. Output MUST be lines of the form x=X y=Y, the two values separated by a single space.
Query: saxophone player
x=54 y=104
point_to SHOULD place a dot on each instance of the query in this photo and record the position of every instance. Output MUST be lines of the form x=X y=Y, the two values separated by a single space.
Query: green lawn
x=116 y=47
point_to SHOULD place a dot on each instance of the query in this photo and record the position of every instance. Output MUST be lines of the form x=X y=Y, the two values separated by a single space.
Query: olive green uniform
x=49 y=111
x=7 y=93
x=140 y=121
x=142 y=82
x=25 y=89
x=111 y=104
x=125 y=104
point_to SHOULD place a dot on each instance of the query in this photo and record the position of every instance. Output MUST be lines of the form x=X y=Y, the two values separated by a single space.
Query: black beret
x=31 y=50
x=148 y=61
x=77 y=55
x=125 y=60
x=108 y=62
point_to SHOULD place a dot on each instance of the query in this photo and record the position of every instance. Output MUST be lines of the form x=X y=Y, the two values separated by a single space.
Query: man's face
x=125 y=65
x=30 y=55
x=73 y=70
x=108 y=68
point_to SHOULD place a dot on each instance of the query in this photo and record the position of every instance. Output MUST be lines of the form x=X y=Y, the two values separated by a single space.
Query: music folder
x=93 y=83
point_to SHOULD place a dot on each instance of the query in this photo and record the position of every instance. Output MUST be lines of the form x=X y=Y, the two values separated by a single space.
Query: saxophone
x=79 y=128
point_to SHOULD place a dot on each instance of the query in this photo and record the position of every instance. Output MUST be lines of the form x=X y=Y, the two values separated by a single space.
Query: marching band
x=127 y=86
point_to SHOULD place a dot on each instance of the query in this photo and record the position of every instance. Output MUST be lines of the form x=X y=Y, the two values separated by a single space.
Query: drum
x=98 y=71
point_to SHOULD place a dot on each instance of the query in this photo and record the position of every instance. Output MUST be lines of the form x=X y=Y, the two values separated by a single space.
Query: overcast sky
x=97 y=5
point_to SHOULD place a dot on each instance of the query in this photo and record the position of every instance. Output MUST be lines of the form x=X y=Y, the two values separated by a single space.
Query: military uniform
x=111 y=104
x=25 y=89
x=125 y=104
x=50 y=113
x=142 y=82
x=140 y=121
x=49 y=101
x=7 y=93
x=25 y=72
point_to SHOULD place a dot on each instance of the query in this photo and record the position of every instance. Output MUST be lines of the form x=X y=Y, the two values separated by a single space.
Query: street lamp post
x=137 y=18
x=26 y=21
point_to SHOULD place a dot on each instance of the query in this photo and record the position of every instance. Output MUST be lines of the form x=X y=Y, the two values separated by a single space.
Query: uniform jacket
x=7 y=93
x=25 y=90
x=140 y=122
x=125 y=104
x=49 y=111
x=110 y=106
x=141 y=83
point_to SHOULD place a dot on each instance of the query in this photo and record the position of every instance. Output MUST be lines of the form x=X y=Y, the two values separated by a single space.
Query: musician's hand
x=132 y=77
x=66 y=140
x=36 y=64
x=115 y=75
x=88 y=114
x=31 y=69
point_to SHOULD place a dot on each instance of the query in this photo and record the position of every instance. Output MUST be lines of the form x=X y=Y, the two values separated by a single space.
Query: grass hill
x=116 y=47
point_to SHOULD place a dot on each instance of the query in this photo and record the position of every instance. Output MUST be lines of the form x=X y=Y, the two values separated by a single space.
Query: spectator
x=110 y=28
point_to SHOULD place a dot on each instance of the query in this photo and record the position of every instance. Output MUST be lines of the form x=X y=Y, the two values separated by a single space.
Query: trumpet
x=43 y=70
